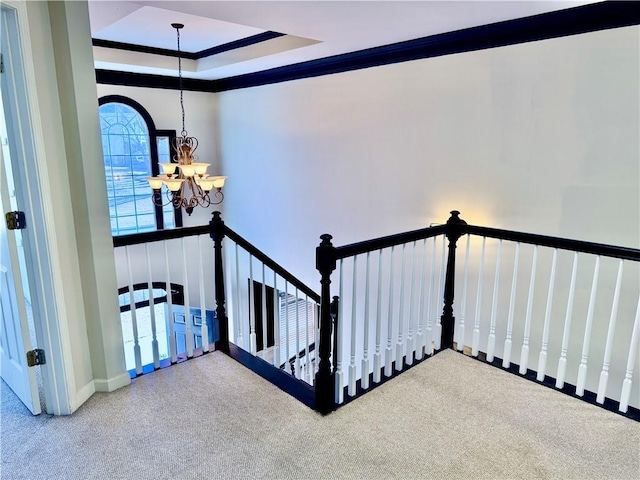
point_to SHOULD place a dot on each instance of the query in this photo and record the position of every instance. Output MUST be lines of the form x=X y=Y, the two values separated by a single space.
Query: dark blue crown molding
x=572 y=21
x=243 y=42
x=129 y=79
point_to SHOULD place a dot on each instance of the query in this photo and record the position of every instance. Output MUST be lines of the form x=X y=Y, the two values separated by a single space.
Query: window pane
x=164 y=150
x=127 y=160
x=146 y=223
x=164 y=156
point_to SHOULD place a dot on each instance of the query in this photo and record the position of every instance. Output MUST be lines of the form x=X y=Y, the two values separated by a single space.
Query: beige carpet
x=450 y=417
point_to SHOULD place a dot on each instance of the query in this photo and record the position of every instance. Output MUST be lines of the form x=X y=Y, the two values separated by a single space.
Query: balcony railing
x=561 y=312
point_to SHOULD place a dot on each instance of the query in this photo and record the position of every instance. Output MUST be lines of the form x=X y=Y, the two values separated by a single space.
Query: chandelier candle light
x=188 y=187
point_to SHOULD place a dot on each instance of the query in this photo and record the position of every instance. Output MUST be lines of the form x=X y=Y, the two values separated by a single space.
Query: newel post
x=217 y=234
x=325 y=377
x=455 y=229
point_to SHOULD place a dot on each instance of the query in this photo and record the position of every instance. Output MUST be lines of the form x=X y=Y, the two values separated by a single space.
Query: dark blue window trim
x=571 y=21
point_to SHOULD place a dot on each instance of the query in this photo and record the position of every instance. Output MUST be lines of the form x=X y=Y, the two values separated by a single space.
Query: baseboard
x=111 y=384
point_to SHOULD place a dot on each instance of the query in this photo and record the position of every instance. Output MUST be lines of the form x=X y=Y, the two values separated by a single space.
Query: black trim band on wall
x=225 y=47
x=130 y=79
x=571 y=21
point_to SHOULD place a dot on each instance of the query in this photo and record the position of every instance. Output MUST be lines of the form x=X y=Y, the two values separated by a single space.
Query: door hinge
x=15 y=220
x=36 y=357
x=1 y=63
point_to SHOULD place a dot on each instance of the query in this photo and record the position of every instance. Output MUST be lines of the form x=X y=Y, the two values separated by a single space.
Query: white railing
x=562 y=312
x=175 y=269
x=271 y=314
x=565 y=317
x=390 y=304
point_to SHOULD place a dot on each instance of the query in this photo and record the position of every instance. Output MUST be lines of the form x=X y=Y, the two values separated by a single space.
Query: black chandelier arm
x=219 y=197
x=157 y=198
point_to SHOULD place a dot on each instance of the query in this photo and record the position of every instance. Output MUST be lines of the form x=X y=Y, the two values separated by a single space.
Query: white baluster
x=491 y=341
x=429 y=331
x=264 y=313
x=187 y=308
x=339 y=330
x=354 y=301
x=297 y=354
x=400 y=342
x=506 y=360
x=542 y=358
x=204 y=330
x=287 y=336
x=604 y=375
x=633 y=349
x=364 y=382
x=582 y=369
x=152 y=311
x=252 y=311
x=475 y=346
x=240 y=341
x=420 y=334
x=389 y=353
x=437 y=339
x=463 y=306
x=524 y=354
x=410 y=350
x=562 y=361
x=377 y=356
x=307 y=353
x=134 y=322
x=173 y=347
x=276 y=324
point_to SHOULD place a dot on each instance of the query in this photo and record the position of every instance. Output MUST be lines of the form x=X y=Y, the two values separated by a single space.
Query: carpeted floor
x=449 y=417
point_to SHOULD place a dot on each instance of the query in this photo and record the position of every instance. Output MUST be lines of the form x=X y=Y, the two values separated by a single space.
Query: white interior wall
x=539 y=137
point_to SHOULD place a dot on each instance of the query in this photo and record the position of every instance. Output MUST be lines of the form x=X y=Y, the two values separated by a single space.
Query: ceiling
x=312 y=29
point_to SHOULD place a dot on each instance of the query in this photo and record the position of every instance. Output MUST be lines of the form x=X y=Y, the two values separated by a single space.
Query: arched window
x=132 y=148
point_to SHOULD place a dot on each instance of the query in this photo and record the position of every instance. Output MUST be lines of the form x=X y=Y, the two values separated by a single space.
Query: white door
x=14 y=331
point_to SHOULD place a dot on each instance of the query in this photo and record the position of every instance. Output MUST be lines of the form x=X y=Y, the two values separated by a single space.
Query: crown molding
x=572 y=21
x=226 y=47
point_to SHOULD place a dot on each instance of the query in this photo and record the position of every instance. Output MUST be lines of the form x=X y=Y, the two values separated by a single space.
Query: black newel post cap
x=325 y=255
x=217 y=225
x=455 y=226
x=455 y=219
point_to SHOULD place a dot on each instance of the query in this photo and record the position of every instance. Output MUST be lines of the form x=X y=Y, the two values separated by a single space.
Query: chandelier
x=187 y=181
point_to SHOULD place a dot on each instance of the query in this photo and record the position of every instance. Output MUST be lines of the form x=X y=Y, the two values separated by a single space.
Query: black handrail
x=388 y=241
x=158 y=235
x=301 y=354
x=272 y=264
x=624 y=253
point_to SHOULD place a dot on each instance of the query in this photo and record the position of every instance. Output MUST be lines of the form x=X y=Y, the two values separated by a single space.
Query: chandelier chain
x=180 y=77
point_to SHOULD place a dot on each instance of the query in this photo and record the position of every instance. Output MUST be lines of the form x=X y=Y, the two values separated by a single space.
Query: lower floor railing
x=561 y=312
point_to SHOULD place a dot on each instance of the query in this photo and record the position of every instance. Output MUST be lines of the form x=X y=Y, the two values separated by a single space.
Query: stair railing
x=166 y=296
x=403 y=287
x=270 y=316
x=570 y=318
x=391 y=320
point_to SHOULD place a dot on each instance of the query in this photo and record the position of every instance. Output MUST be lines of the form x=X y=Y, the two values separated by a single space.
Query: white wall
x=200 y=121
x=540 y=137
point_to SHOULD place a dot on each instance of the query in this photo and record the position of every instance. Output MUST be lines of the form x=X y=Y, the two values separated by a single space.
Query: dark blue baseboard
x=296 y=388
